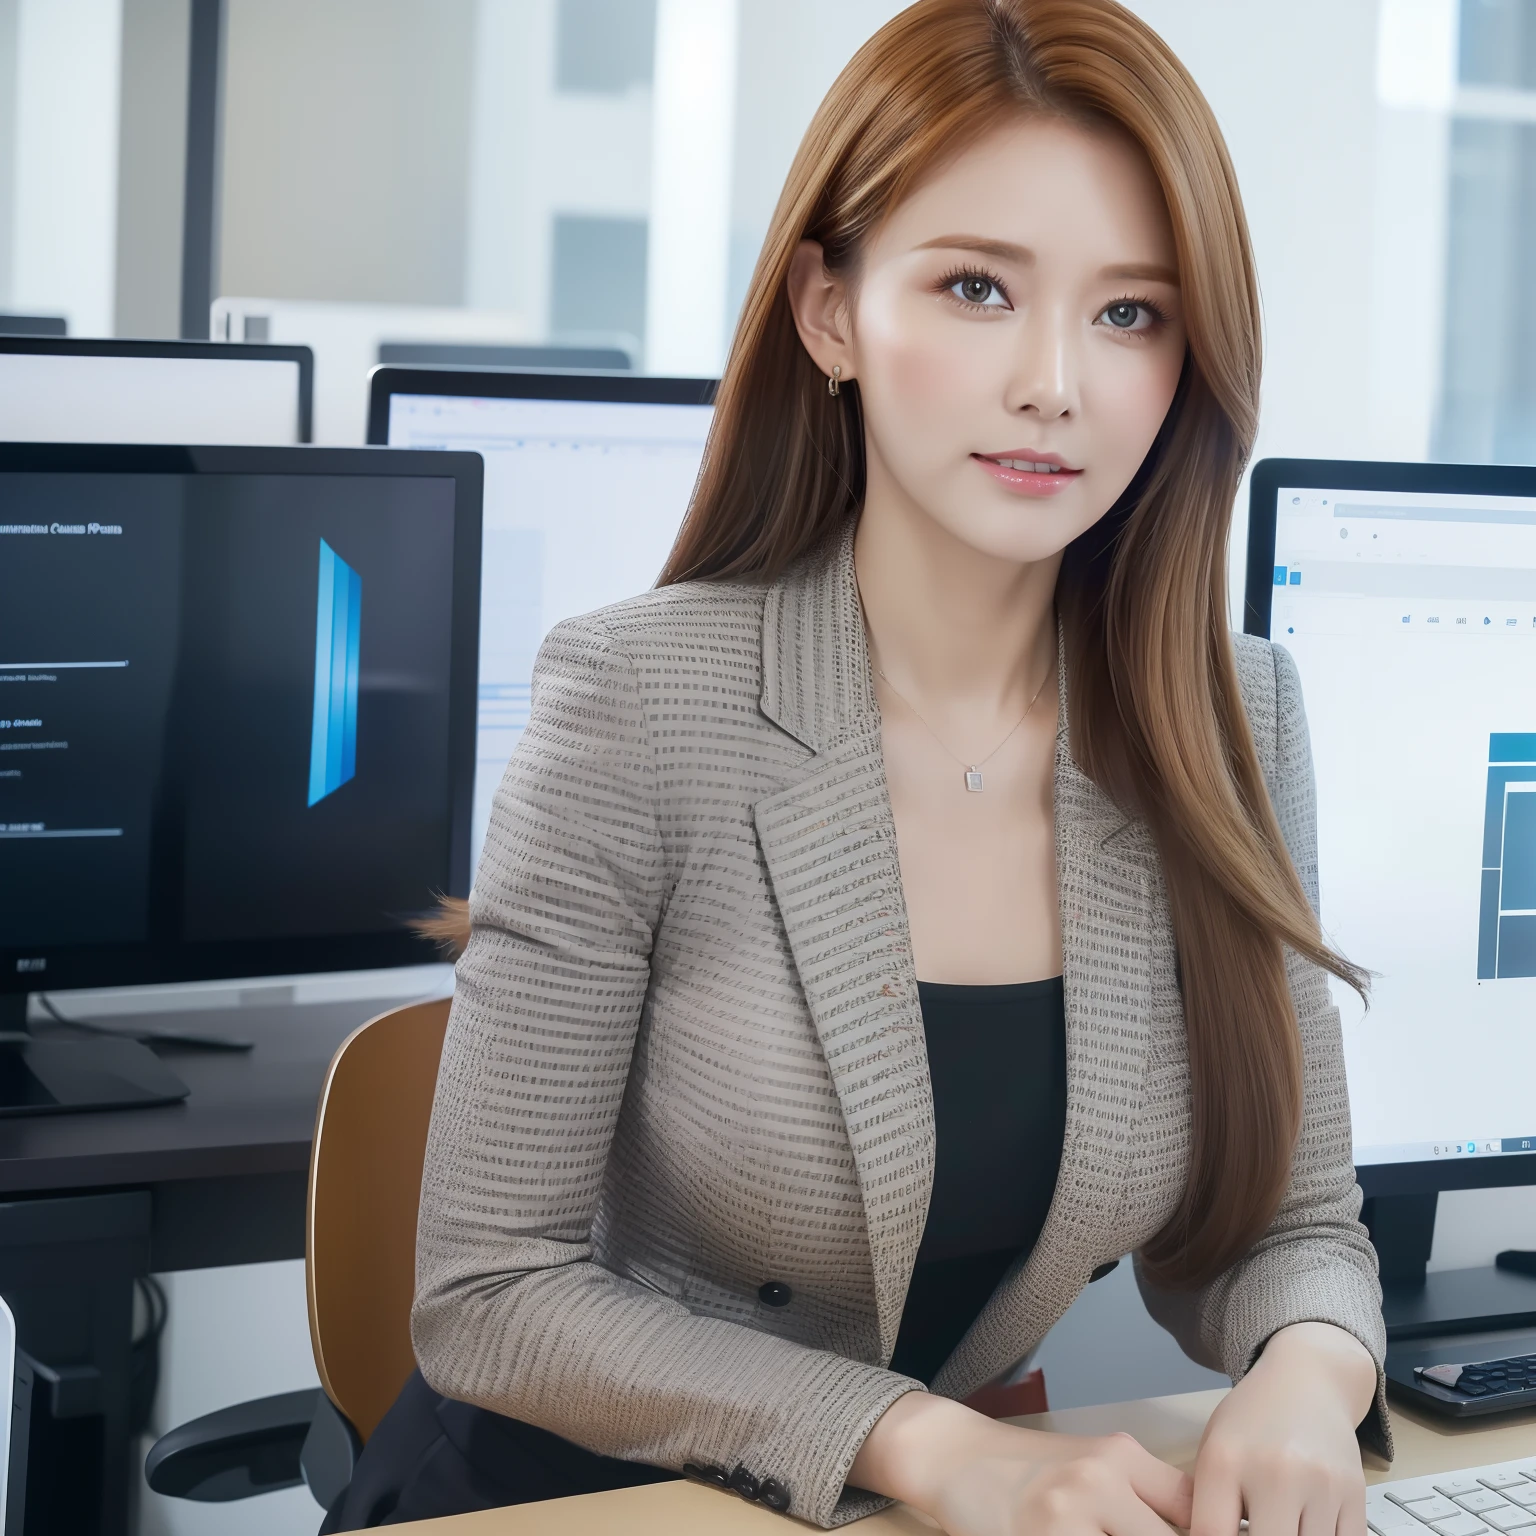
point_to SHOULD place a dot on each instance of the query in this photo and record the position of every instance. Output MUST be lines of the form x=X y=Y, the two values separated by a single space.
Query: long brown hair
x=1157 y=718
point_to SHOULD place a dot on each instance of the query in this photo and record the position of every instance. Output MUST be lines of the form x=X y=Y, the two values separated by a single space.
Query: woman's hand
x=977 y=1477
x=1281 y=1447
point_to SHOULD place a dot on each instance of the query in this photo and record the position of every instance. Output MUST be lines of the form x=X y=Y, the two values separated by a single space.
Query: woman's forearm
x=1325 y=1353
x=912 y=1439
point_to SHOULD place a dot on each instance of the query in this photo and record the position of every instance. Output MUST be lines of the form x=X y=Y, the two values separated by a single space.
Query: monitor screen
x=1412 y=618
x=228 y=700
x=583 y=498
x=152 y=392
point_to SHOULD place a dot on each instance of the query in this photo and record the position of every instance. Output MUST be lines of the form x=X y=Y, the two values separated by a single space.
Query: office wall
x=152 y=138
x=554 y=151
x=792 y=51
x=63 y=212
x=9 y=17
x=92 y=140
x=346 y=149
x=1299 y=117
x=688 y=237
x=506 y=255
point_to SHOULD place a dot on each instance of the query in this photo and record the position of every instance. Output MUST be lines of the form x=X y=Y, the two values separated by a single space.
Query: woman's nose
x=1045 y=369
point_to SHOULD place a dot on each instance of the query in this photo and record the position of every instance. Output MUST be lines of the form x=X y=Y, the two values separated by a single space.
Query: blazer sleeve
x=512 y=1312
x=1316 y=1263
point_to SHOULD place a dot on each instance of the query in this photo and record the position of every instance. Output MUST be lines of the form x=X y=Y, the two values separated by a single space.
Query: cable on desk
x=144 y=1036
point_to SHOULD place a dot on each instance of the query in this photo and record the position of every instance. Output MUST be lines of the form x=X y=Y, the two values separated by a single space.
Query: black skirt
x=432 y=1456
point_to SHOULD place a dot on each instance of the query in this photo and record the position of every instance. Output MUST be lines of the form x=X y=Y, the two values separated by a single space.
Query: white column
x=64 y=227
x=1416 y=54
x=694 y=111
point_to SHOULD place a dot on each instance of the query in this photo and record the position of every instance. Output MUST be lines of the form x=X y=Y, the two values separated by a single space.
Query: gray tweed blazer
x=686 y=1058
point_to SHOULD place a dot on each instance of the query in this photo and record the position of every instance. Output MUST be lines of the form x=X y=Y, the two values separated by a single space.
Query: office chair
x=360 y=1272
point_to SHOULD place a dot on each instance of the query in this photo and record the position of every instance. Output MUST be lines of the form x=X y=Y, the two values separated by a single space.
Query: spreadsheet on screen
x=583 y=499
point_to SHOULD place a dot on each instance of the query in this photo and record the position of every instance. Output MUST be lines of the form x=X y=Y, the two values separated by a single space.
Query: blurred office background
x=601 y=172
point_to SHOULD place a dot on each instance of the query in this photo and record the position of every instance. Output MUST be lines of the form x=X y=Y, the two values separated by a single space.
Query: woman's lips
x=1043 y=478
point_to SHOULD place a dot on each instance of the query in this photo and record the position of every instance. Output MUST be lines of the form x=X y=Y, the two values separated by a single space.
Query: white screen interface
x=73 y=398
x=1412 y=619
x=583 y=499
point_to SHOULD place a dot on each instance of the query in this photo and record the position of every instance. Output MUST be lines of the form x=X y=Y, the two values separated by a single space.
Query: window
x=1488 y=388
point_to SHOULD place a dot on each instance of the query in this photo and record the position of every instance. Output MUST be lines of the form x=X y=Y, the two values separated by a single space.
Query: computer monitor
x=345 y=336
x=33 y=325
x=483 y=354
x=586 y=482
x=1407 y=595
x=237 y=709
x=58 y=390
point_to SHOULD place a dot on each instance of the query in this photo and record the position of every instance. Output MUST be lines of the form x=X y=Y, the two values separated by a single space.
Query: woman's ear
x=819 y=301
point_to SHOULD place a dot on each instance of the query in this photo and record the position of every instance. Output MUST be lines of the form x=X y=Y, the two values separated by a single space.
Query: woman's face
x=1016 y=333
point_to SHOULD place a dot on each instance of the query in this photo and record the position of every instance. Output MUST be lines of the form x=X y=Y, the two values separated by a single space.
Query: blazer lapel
x=829 y=843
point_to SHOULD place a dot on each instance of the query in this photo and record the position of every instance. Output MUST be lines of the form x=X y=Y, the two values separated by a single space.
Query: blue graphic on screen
x=333 y=742
x=1506 y=930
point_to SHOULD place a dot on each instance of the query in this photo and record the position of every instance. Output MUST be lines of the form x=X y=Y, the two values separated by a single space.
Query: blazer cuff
x=1341 y=1295
x=830 y=1502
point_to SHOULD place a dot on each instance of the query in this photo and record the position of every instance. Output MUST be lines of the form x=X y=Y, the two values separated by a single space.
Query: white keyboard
x=1481 y=1501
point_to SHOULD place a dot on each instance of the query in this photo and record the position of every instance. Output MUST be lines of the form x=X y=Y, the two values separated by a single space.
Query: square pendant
x=973 y=780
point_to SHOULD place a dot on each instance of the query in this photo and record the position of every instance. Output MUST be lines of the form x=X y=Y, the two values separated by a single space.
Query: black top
x=997 y=1058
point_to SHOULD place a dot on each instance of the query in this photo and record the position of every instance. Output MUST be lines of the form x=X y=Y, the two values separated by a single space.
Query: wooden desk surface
x=1169 y=1427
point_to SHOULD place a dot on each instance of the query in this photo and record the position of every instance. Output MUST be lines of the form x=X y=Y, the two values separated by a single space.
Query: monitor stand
x=44 y=1076
x=1420 y=1305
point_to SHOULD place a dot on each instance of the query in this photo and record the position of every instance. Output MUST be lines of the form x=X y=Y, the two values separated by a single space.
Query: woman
x=904 y=909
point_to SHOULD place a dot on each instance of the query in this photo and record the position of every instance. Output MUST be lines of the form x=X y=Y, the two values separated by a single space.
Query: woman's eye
x=975 y=289
x=1128 y=316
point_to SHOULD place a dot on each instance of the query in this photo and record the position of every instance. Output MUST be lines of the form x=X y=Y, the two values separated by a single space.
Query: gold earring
x=837 y=373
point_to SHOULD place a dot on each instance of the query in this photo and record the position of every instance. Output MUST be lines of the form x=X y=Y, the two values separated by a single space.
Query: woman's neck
x=950 y=625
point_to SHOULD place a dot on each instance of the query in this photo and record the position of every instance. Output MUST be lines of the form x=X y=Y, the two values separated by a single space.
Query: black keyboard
x=1511 y=1378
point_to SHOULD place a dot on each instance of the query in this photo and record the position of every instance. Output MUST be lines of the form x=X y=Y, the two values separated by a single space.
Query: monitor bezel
x=234 y=351
x=113 y=965
x=390 y=379
x=1265 y=484
x=13 y=323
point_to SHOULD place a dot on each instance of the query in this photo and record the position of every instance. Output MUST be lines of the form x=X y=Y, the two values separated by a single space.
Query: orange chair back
x=364 y=1192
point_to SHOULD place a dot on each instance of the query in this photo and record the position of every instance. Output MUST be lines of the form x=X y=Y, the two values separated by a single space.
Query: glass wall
x=1488 y=400
x=569 y=171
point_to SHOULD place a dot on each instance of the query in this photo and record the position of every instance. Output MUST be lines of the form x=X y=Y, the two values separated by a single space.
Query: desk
x=1169 y=1427
x=226 y=1168
x=90 y=1201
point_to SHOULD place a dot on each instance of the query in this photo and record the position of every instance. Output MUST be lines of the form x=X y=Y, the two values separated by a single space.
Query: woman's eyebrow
x=1021 y=255
x=999 y=250
x=1142 y=272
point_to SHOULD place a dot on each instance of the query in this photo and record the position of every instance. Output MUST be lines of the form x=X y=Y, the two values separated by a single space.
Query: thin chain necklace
x=973 y=778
